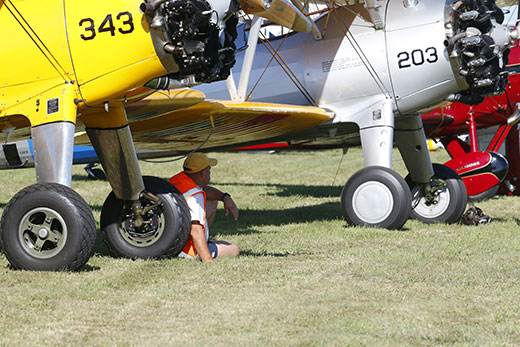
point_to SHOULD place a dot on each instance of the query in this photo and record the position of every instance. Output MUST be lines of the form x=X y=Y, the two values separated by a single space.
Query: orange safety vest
x=188 y=189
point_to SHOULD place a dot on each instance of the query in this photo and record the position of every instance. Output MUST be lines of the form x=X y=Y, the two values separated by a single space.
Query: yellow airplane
x=69 y=66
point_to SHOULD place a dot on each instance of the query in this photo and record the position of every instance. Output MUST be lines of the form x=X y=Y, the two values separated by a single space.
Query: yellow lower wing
x=222 y=123
x=182 y=120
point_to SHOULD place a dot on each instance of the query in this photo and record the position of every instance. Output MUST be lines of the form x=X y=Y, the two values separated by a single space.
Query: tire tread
x=85 y=214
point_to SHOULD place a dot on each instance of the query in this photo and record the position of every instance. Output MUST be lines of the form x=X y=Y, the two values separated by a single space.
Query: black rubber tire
x=384 y=181
x=168 y=238
x=452 y=199
x=76 y=230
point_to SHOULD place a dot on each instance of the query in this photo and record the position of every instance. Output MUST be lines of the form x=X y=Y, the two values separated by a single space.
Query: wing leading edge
x=224 y=124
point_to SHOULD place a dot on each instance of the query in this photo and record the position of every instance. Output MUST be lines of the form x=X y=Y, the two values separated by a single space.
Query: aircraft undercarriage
x=143 y=217
x=377 y=196
x=48 y=226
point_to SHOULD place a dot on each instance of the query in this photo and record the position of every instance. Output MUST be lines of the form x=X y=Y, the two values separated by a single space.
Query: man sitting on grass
x=202 y=201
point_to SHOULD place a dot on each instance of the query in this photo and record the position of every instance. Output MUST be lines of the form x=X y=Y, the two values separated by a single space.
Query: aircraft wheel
x=449 y=201
x=47 y=226
x=165 y=228
x=377 y=197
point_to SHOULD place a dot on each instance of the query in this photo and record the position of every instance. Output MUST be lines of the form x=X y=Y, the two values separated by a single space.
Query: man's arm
x=199 y=241
x=213 y=193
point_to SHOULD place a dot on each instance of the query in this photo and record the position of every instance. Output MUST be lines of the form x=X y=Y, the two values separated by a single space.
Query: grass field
x=304 y=276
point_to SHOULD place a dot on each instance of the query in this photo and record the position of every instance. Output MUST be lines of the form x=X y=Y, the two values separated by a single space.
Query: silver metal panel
x=377 y=134
x=331 y=69
x=421 y=71
x=400 y=16
x=116 y=152
x=411 y=141
x=53 y=148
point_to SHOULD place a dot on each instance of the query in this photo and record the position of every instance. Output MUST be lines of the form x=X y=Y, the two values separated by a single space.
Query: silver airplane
x=376 y=65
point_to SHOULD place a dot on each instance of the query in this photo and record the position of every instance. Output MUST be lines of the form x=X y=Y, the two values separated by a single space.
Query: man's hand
x=230 y=206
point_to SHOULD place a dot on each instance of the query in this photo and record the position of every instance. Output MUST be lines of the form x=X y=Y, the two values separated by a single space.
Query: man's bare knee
x=235 y=250
x=226 y=249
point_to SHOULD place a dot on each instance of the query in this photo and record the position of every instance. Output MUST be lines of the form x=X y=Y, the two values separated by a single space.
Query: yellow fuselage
x=61 y=55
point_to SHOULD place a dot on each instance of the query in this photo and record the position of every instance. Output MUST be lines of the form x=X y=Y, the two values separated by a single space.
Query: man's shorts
x=213 y=249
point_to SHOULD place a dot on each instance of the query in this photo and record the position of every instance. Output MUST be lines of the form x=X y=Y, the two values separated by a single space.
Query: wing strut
x=247 y=65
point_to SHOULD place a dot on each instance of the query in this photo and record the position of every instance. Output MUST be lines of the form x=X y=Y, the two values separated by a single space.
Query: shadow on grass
x=84 y=268
x=250 y=219
x=84 y=177
x=290 y=189
x=100 y=247
x=89 y=268
x=247 y=253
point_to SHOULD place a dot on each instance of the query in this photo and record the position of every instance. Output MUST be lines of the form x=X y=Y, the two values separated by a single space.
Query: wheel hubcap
x=42 y=232
x=428 y=209
x=372 y=202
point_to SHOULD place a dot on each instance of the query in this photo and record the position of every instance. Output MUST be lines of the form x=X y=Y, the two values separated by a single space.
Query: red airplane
x=484 y=172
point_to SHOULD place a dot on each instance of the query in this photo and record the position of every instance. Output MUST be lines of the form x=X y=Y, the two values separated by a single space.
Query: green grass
x=304 y=276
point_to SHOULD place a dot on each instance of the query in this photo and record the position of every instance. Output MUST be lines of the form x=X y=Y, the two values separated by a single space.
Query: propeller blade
x=281 y=12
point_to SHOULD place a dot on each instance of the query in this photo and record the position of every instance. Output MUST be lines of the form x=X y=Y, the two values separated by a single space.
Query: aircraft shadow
x=99 y=247
x=249 y=220
x=290 y=189
x=248 y=253
x=81 y=178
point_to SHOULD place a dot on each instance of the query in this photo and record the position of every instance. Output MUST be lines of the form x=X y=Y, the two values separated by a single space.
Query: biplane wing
x=176 y=122
x=158 y=123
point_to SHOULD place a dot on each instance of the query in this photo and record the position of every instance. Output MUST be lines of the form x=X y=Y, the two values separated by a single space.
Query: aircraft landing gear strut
x=438 y=193
x=376 y=196
x=143 y=217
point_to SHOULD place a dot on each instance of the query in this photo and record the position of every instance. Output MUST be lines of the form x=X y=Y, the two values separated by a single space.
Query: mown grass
x=304 y=276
